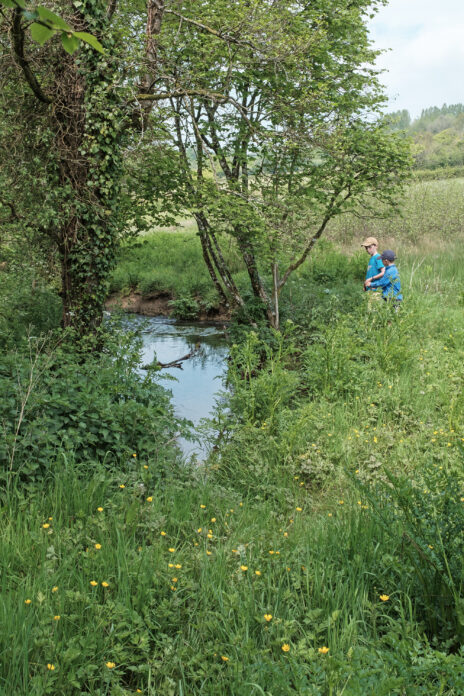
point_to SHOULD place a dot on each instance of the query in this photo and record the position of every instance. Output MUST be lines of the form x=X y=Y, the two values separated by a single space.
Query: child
x=390 y=281
x=375 y=267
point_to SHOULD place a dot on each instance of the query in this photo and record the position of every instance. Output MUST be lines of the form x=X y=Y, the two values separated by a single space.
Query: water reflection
x=198 y=382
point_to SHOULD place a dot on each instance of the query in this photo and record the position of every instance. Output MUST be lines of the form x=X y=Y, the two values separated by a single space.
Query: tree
x=281 y=121
x=78 y=110
x=274 y=99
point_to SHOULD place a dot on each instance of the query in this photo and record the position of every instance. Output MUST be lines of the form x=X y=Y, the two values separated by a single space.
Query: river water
x=196 y=385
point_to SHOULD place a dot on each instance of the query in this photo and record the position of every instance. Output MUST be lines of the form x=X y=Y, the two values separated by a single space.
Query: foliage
x=427 y=513
x=286 y=143
x=54 y=401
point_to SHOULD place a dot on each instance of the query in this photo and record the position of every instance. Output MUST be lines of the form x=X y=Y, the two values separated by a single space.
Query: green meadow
x=319 y=548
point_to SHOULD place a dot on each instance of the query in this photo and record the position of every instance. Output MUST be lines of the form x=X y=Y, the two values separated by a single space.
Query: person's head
x=388 y=257
x=370 y=244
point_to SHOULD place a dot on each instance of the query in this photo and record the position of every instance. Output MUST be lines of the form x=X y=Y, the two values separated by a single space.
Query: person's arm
x=378 y=275
x=381 y=282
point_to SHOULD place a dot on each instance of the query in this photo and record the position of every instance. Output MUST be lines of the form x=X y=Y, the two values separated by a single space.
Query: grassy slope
x=288 y=537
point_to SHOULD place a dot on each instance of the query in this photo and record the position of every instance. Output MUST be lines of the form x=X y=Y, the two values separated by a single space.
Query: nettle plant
x=426 y=514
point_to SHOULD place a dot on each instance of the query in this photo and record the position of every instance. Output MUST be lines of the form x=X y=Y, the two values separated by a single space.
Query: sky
x=426 y=62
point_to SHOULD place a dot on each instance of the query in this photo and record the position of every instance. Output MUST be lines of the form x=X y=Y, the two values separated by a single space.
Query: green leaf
x=53 y=19
x=90 y=39
x=40 y=33
x=13 y=3
x=70 y=43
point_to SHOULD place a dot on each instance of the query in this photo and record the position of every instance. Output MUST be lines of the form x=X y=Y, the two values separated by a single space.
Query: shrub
x=97 y=406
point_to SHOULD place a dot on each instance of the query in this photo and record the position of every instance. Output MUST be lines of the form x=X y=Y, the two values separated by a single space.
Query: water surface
x=195 y=390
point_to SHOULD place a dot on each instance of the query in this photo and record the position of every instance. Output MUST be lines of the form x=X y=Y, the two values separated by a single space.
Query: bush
x=426 y=514
x=97 y=406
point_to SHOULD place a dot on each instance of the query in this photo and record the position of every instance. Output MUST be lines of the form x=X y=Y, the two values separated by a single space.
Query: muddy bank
x=158 y=305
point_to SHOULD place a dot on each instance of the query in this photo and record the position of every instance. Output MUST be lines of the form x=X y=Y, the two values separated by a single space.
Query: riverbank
x=163 y=304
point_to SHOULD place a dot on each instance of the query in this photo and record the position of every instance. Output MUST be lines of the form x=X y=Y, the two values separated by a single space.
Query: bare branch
x=17 y=45
x=219 y=34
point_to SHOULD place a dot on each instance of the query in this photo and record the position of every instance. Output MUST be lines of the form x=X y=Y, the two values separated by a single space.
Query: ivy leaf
x=70 y=43
x=90 y=39
x=53 y=19
x=40 y=33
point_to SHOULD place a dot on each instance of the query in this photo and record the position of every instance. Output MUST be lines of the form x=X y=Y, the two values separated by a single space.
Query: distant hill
x=438 y=135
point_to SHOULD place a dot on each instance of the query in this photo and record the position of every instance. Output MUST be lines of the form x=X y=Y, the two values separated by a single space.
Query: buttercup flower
x=100 y=509
x=203 y=507
x=171 y=550
x=110 y=665
x=178 y=565
x=98 y=546
x=149 y=499
x=121 y=485
x=105 y=584
x=162 y=533
x=257 y=572
x=285 y=647
x=324 y=650
x=94 y=583
x=27 y=601
x=268 y=617
x=243 y=567
x=384 y=597
x=224 y=658
x=55 y=589
x=51 y=667
x=46 y=525
x=298 y=509
x=57 y=617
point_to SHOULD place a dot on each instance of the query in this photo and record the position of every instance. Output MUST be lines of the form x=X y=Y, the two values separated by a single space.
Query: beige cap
x=370 y=240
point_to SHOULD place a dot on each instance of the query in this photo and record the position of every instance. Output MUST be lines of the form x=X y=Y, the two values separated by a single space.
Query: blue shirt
x=374 y=266
x=390 y=283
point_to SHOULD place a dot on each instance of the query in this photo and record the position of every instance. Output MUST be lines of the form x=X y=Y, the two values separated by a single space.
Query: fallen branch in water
x=174 y=363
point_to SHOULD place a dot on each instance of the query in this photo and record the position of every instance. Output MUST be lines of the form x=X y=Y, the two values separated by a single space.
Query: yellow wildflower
x=46 y=525
x=100 y=509
x=224 y=658
x=134 y=455
x=57 y=617
x=121 y=485
x=203 y=507
x=55 y=589
x=149 y=499
x=244 y=568
x=145 y=466
x=208 y=553
x=171 y=550
x=268 y=617
x=384 y=597
x=51 y=667
x=213 y=519
x=285 y=647
x=162 y=533
x=27 y=601
x=94 y=583
x=257 y=572
x=105 y=584
x=98 y=546
x=324 y=650
x=110 y=665
x=178 y=565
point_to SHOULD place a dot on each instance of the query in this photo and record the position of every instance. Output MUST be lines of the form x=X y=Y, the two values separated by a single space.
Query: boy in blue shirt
x=390 y=281
x=375 y=267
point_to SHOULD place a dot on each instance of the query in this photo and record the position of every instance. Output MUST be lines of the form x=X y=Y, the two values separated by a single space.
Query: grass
x=334 y=498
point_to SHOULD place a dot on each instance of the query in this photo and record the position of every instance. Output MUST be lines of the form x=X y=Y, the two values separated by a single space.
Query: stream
x=196 y=385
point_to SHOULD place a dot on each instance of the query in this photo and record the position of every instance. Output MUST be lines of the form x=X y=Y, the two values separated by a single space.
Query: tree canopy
x=259 y=118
